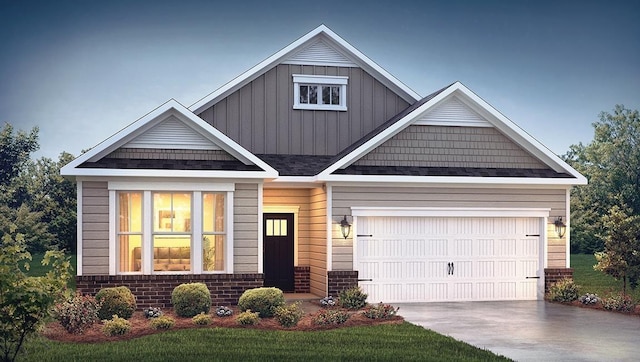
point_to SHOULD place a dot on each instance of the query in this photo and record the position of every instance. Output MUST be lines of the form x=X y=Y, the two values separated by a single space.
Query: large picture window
x=213 y=231
x=319 y=92
x=172 y=231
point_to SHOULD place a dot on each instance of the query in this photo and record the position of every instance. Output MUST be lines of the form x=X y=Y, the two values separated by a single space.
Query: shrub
x=380 y=311
x=152 y=312
x=353 y=298
x=78 y=313
x=248 y=317
x=190 y=299
x=116 y=326
x=330 y=316
x=116 y=301
x=564 y=290
x=162 y=322
x=289 y=315
x=618 y=303
x=222 y=311
x=589 y=298
x=262 y=300
x=328 y=302
x=201 y=319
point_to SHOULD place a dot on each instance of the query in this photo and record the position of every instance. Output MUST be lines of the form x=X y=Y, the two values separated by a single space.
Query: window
x=171 y=231
x=320 y=92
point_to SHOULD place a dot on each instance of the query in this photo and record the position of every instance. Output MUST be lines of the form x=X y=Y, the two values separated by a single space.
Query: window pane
x=335 y=95
x=313 y=94
x=212 y=212
x=171 y=253
x=213 y=252
x=162 y=214
x=130 y=247
x=304 y=94
x=326 y=95
x=130 y=212
x=182 y=212
x=283 y=227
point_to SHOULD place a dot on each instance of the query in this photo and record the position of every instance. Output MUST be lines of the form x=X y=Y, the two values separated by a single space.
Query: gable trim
x=331 y=39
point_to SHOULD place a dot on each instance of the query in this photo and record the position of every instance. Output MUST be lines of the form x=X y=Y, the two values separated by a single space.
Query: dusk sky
x=82 y=70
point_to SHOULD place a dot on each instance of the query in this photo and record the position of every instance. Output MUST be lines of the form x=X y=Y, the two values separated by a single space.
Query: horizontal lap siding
x=95 y=228
x=318 y=241
x=442 y=146
x=346 y=197
x=294 y=197
x=261 y=118
x=245 y=228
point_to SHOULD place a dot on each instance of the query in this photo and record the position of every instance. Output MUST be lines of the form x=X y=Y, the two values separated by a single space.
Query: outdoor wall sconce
x=561 y=228
x=345 y=227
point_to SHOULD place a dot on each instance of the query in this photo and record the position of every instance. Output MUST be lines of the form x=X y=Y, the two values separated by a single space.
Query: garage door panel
x=443 y=259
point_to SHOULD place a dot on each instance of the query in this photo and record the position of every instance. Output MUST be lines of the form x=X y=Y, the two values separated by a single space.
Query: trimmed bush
x=116 y=326
x=380 y=311
x=618 y=303
x=78 y=313
x=248 y=318
x=262 y=300
x=330 y=316
x=116 y=301
x=289 y=315
x=162 y=322
x=190 y=299
x=564 y=290
x=202 y=319
x=353 y=298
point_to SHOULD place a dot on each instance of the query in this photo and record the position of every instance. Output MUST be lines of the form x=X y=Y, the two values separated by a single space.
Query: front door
x=278 y=251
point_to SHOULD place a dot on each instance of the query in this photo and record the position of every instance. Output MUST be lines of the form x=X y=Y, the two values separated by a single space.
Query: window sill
x=313 y=107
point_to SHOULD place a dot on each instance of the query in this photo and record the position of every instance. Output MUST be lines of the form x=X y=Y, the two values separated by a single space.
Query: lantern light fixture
x=561 y=227
x=345 y=227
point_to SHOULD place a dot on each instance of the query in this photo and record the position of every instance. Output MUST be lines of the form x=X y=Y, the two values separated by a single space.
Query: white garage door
x=411 y=259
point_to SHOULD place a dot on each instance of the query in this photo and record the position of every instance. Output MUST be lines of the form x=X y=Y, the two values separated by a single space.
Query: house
x=317 y=170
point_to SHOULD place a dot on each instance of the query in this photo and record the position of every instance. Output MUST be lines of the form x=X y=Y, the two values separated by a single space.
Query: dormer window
x=320 y=92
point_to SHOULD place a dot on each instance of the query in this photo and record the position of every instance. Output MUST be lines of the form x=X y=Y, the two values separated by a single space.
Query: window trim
x=320 y=80
x=196 y=189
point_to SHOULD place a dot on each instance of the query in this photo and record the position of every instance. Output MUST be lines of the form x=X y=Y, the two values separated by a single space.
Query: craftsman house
x=317 y=170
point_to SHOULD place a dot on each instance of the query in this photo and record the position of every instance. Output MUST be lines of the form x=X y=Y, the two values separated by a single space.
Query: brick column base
x=340 y=280
x=302 y=279
x=552 y=275
x=155 y=290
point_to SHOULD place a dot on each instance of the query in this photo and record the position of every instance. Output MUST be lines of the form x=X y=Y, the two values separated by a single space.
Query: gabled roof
x=320 y=37
x=199 y=135
x=335 y=172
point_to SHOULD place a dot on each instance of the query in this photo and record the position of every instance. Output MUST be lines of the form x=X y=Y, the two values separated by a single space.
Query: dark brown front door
x=278 y=251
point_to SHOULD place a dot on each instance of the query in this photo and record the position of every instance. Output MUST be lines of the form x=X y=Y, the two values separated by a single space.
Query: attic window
x=320 y=92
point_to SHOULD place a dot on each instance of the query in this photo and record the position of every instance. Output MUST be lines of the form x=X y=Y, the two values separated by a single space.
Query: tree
x=26 y=301
x=15 y=150
x=621 y=255
x=611 y=163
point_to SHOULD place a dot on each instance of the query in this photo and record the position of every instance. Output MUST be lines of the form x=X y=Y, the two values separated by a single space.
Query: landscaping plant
x=190 y=299
x=564 y=290
x=202 y=319
x=589 y=299
x=262 y=300
x=248 y=317
x=619 y=303
x=115 y=326
x=223 y=311
x=328 y=302
x=353 y=298
x=116 y=301
x=289 y=315
x=162 y=322
x=78 y=313
x=330 y=316
x=152 y=312
x=380 y=311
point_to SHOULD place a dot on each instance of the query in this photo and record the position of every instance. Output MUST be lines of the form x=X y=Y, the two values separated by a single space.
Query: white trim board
x=449 y=212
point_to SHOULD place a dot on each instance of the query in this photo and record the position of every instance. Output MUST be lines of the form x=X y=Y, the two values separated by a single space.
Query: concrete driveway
x=533 y=330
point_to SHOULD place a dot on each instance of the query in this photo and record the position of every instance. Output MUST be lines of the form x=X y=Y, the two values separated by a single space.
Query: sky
x=82 y=70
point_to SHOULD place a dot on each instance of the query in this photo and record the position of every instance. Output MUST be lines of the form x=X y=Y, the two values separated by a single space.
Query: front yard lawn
x=398 y=342
x=594 y=281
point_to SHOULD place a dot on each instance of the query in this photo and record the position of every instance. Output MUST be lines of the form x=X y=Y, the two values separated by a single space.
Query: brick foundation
x=340 y=280
x=302 y=279
x=155 y=290
x=552 y=275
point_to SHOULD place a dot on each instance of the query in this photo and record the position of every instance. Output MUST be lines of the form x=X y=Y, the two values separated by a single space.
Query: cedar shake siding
x=261 y=118
x=245 y=228
x=345 y=197
x=442 y=146
x=95 y=228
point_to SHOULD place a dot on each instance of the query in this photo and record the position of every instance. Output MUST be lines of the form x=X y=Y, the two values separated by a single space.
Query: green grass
x=405 y=342
x=593 y=281
x=37 y=269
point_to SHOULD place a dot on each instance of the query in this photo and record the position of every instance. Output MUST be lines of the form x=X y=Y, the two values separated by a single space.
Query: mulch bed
x=140 y=326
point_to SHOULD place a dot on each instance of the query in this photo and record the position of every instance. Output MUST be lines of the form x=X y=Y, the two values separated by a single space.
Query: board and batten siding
x=318 y=240
x=95 y=228
x=345 y=197
x=261 y=118
x=299 y=198
x=245 y=228
x=445 y=146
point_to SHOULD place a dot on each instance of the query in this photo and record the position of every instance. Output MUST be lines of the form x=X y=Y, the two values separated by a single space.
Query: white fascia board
x=259 y=69
x=452 y=180
x=450 y=212
x=107 y=172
